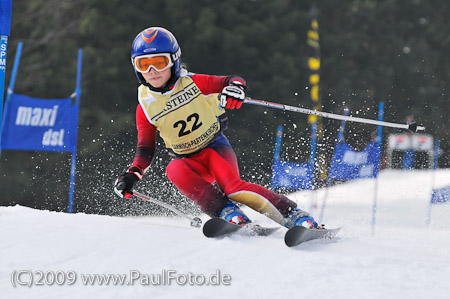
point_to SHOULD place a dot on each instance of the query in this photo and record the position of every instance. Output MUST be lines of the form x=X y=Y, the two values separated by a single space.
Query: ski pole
x=195 y=221
x=412 y=127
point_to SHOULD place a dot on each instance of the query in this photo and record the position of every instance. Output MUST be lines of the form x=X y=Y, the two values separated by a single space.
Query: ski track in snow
x=403 y=259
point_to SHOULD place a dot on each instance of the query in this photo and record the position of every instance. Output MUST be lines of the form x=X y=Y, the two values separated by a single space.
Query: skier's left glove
x=126 y=180
x=233 y=95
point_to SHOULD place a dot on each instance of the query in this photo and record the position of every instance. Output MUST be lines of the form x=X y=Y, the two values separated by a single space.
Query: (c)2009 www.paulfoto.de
x=30 y=278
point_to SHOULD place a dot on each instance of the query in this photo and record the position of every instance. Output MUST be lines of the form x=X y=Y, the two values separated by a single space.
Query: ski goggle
x=159 y=62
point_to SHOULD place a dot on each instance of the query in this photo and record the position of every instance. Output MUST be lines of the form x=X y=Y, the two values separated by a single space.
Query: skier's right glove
x=233 y=95
x=126 y=180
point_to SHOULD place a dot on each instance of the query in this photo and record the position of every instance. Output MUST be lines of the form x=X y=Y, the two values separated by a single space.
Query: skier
x=188 y=111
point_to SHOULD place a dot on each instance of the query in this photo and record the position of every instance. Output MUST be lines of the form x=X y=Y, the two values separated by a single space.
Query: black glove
x=233 y=95
x=126 y=180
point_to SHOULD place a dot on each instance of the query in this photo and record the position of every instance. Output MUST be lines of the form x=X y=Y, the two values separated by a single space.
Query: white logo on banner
x=352 y=158
x=41 y=117
x=366 y=171
x=36 y=117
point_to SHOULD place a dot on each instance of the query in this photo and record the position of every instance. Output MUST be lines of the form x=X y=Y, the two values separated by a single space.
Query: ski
x=299 y=234
x=217 y=227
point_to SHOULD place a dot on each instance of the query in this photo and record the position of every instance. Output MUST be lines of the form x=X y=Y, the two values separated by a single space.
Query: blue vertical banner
x=5 y=30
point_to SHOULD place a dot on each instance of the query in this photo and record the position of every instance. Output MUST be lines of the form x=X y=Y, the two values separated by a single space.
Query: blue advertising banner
x=292 y=175
x=39 y=124
x=441 y=195
x=349 y=164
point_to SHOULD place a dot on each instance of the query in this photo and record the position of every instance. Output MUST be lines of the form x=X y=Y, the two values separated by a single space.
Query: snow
x=402 y=258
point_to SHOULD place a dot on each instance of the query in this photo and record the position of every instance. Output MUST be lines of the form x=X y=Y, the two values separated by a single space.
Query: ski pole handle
x=121 y=185
x=412 y=127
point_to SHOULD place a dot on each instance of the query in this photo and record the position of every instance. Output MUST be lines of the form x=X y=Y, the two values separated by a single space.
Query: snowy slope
x=403 y=259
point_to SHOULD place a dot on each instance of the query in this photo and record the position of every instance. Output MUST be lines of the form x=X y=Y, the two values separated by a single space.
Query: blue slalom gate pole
x=12 y=82
x=379 y=136
x=3 y=48
x=327 y=186
x=312 y=153
x=342 y=127
x=312 y=162
x=5 y=30
x=74 y=150
x=276 y=154
x=437 y=144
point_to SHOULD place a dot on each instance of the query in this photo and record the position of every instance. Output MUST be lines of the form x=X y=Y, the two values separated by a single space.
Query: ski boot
x=300 y=218
x=232 y=213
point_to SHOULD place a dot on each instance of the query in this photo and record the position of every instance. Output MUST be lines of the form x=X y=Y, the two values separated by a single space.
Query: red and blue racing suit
x=195 y=174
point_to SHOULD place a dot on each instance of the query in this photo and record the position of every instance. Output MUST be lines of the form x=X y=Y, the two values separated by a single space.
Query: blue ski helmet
x=157 y=40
